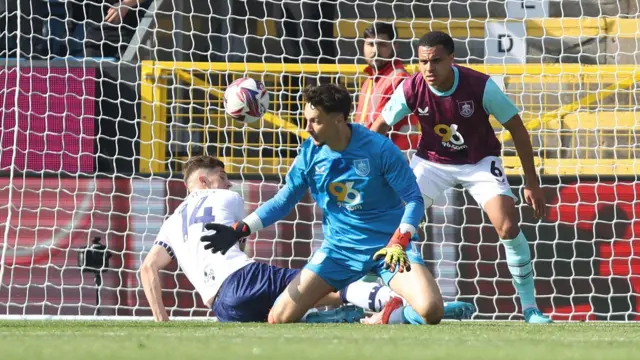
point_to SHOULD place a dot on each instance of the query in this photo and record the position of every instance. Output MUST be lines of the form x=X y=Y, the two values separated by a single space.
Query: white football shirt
x=180 y=236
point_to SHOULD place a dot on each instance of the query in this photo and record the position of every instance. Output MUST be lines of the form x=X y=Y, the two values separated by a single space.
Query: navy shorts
x=248 y=294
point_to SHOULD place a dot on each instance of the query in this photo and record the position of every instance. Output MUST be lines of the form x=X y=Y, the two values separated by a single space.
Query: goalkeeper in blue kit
x=372 y=206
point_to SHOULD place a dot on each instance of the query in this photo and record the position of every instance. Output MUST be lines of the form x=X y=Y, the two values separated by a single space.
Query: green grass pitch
x=138 y=340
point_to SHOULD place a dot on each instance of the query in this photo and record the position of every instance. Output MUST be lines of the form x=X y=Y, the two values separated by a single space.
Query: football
x=246 y=100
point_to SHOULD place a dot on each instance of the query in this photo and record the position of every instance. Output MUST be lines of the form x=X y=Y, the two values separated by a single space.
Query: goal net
x=100 y=112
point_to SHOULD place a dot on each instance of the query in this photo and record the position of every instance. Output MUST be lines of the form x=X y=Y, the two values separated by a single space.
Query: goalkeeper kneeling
x=372 y=206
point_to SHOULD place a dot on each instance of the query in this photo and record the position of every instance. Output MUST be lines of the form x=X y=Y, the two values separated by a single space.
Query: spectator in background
x=385 y=74
x=234 y=24
x=307 y=31
x=110 y=26
x=31 y=38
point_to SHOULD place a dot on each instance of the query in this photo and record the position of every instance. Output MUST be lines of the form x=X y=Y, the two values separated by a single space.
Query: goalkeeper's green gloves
x=394 y=253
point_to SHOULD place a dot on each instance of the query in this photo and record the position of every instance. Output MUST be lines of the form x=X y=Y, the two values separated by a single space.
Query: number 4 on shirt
x=206 y=217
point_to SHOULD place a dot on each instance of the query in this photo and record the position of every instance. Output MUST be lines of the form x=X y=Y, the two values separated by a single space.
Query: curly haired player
x=372 y=206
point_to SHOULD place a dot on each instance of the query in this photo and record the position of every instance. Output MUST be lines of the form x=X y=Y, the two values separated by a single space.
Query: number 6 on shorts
x=495 y=170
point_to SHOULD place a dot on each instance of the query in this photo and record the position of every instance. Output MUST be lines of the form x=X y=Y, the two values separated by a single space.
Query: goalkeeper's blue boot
x=343 y=314
x=458 y=310
x=534 y=316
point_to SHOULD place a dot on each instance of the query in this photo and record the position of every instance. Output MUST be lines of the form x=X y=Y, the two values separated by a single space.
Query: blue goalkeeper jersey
x=365 y=192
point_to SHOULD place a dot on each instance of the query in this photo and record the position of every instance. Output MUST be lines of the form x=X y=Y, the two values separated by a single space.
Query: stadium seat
x=618 y=120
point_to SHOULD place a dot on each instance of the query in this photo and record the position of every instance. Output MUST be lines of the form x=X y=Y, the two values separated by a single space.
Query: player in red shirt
x=384 y=75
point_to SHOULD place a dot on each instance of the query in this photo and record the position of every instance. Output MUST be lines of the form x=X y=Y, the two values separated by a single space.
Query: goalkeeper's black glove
x=224 y=237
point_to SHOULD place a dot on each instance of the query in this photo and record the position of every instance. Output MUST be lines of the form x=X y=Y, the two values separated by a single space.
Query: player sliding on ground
x=459 y=146
x=237 y=288
x=360 y=181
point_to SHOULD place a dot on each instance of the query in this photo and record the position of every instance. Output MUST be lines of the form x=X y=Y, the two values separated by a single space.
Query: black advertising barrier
x=586 y=251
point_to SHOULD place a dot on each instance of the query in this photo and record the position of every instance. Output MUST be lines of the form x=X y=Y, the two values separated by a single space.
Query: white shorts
x=484 y=180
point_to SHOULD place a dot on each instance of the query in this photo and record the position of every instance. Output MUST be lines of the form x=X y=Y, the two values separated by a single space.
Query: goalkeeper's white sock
x=367 y=295
x=519 y=262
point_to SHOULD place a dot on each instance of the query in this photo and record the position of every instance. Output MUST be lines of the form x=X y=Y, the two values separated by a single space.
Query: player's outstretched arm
x=401 y=178
x=157 y=259
x=273 y=210
x=395 y=110
x=496 y=103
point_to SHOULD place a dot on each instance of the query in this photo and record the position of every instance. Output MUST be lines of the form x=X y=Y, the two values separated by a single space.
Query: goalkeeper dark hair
x=435 y=38
x=200 y=162
x=380 y=28
x=332 y=98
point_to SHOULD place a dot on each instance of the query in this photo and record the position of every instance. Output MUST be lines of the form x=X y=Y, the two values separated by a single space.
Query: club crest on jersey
x=362 y=167
x=466 y=108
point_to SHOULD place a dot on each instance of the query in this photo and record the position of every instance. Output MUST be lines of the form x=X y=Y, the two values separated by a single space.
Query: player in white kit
x=236 y=287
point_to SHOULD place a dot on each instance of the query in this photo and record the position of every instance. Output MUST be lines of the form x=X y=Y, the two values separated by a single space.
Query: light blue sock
x=519 y=262
x=405 y=315
x=411 y=316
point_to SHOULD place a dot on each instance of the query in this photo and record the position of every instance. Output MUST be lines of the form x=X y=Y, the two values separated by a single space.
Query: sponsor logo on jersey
x=451 y=138
x=346 y=195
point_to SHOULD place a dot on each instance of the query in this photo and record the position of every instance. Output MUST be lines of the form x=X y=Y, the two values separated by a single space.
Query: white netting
x=97 y=120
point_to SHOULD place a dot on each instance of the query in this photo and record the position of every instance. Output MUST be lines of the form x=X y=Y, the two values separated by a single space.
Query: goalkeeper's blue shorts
x=248 y=294
x=338 y=268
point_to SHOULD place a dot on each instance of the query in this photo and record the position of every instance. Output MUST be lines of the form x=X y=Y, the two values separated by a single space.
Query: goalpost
x=94 y=148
